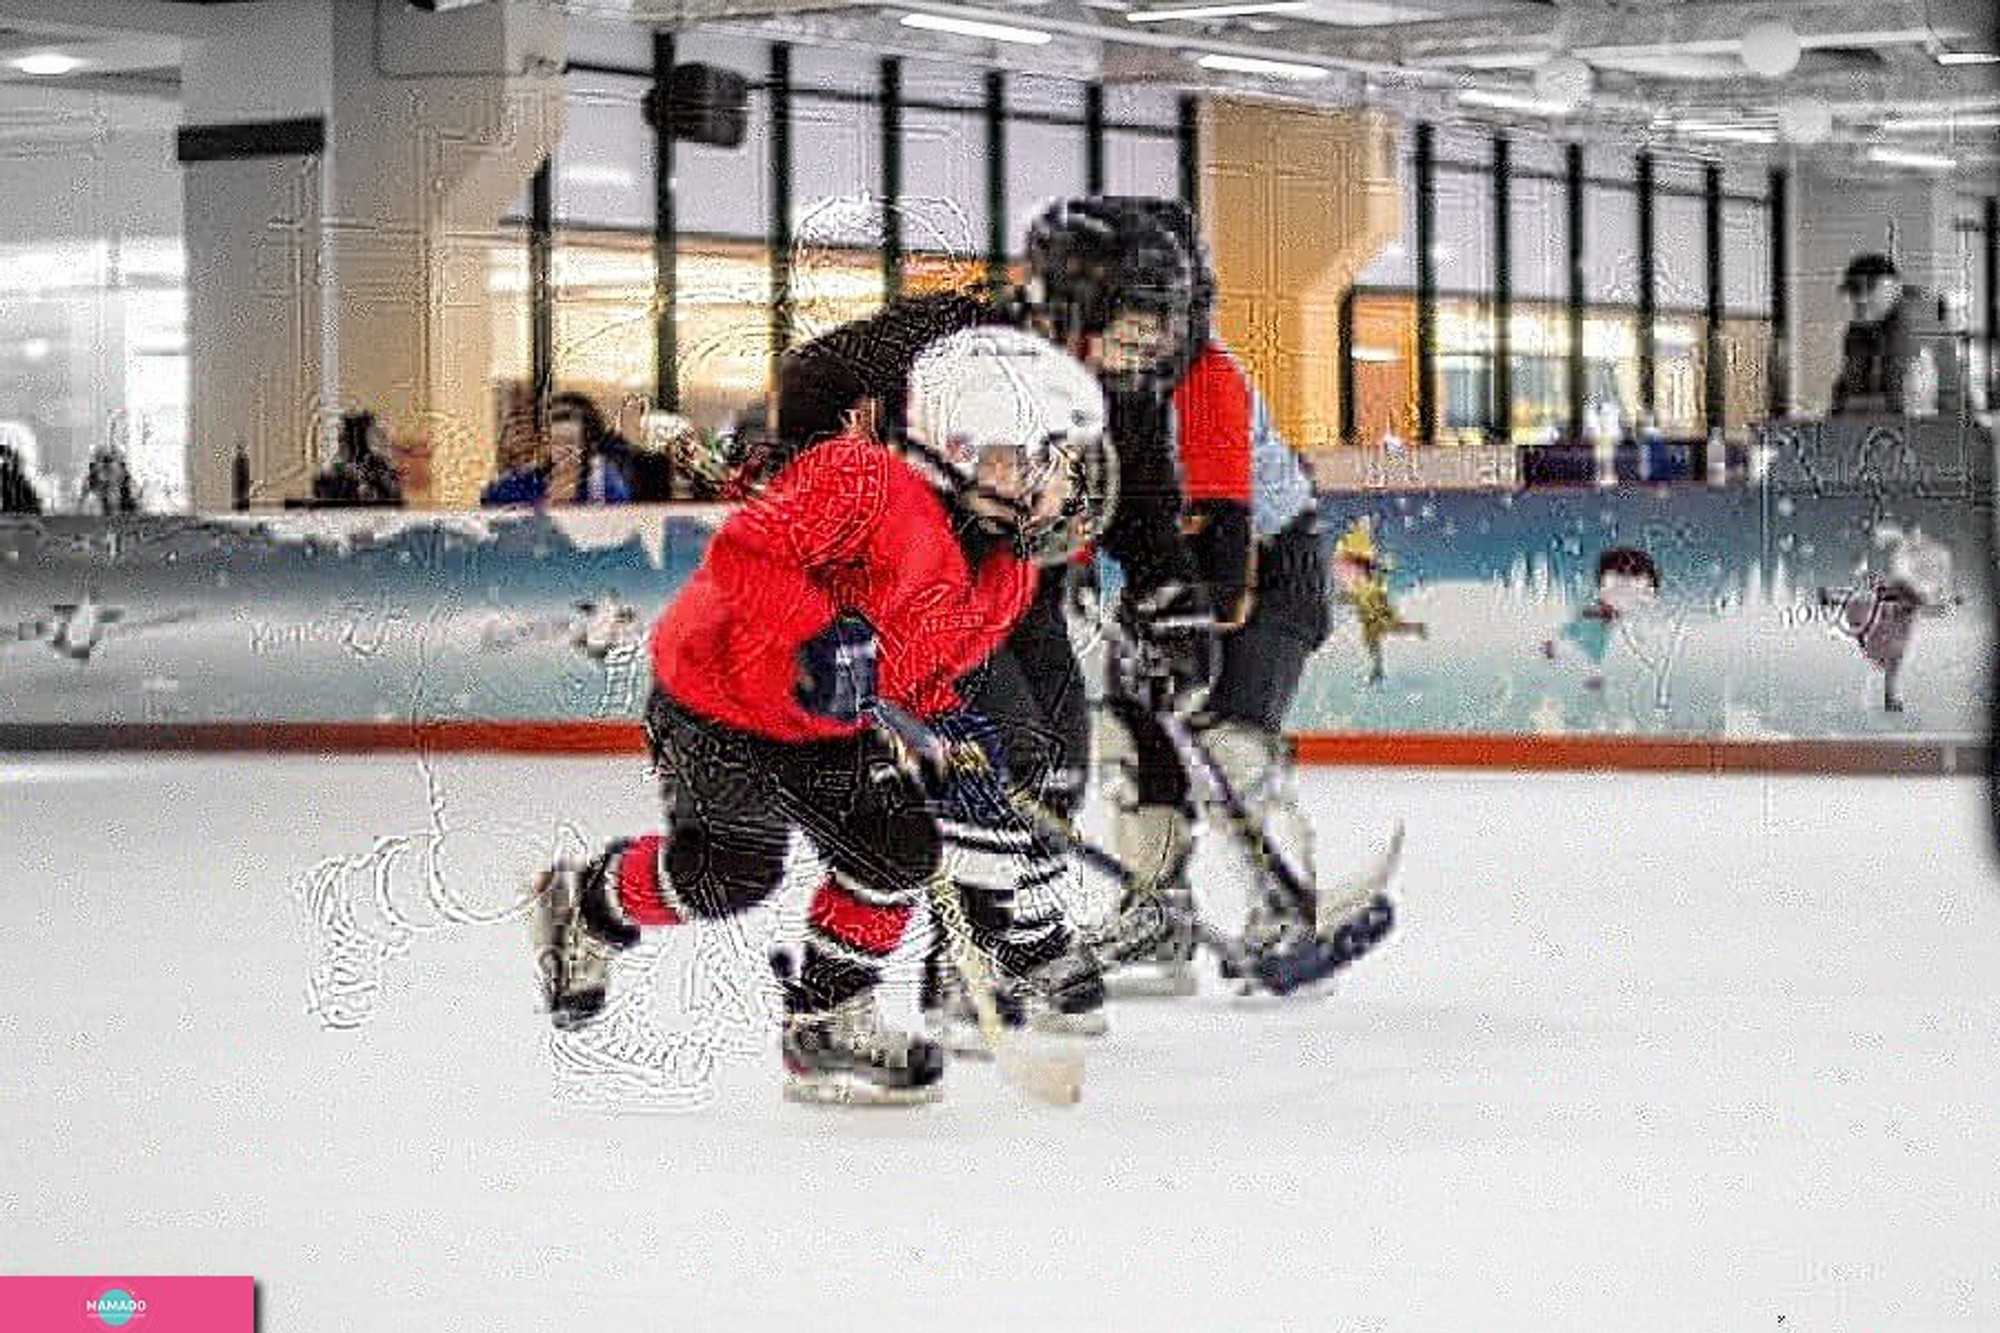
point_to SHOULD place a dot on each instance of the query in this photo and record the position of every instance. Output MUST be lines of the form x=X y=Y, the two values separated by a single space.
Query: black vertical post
x=1500 y=410
x=1426 y=285
x=1649 y=291
x=1779 y=384
x=1574 y=186
x=666 y=234
x=1190 y=146
x=1093 y=138
x=541 y=294
x=781 y=203
x=1714 y=387
x=1349 y=410
x=996 y=181
x=892 y=177
x=1990 y=223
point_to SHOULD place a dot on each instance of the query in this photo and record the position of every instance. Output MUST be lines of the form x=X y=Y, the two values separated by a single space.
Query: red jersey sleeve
x=1212 y=408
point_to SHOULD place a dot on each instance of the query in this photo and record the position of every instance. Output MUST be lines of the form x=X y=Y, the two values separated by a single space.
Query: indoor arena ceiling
x=1853 y=71
x=1856 y=71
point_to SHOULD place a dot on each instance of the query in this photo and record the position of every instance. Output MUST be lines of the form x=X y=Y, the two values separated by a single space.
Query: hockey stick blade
x=1339 y=902
x=1054 y=1079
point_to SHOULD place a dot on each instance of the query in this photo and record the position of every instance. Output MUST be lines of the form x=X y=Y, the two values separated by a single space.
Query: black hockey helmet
x=1093 y=261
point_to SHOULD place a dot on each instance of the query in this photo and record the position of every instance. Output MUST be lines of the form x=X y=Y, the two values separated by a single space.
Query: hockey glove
x=837 y=669
x=974 y=791
x=956 y=758
x=1176 y=656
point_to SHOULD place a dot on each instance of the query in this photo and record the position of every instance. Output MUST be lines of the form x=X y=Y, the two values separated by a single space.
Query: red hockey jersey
x=848 y=525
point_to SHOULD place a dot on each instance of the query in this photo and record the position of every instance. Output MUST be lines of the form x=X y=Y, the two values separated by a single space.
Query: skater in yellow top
x=1361 y=576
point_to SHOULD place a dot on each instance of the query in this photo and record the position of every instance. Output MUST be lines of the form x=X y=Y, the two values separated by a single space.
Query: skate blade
x=1056 y=1023
x=1151 y=984
x=1250 y=995
x=850 y=1090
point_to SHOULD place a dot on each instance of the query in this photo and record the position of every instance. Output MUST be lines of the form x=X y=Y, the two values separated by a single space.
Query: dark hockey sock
x=1035 y=931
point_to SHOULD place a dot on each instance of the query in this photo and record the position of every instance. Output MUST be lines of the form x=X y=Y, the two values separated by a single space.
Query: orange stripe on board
x=1386 y=750
x=1641 y=754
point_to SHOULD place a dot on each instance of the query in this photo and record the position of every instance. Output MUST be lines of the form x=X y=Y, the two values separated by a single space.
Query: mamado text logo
x=115 y=1308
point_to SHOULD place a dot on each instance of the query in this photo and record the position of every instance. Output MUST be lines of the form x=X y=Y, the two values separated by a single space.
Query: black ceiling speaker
x=704 y=104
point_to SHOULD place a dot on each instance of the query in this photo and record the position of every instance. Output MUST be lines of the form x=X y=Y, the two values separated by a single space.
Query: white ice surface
x=1650 y=1053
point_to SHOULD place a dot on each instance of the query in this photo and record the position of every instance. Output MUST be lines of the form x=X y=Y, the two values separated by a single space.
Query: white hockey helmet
x=1019 y=425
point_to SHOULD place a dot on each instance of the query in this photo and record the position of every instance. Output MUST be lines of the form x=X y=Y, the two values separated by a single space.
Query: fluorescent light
x=1968 y=58
x=1897 y=157
x=1277 y=69
x=1972 y=120
x=588 y=174
x=1728 y=134
x=48 y=63
x=1216 y=11
x=1513 y=102
x=998 y=32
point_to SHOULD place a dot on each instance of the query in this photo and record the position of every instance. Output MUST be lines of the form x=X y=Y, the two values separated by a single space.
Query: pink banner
x=143 y=1304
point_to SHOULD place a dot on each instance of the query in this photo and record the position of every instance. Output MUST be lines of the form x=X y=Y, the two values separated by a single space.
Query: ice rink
x=1649 y=1053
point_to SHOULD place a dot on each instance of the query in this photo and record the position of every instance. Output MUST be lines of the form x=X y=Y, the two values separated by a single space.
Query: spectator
x=603 y=463
x=107 y=484
x=17 y=493
x=524 y=462
x=1894 y=358
x=359 y=475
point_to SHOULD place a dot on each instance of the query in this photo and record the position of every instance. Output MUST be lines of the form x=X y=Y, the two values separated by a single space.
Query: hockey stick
x=1329 y=911
x=1054 y=1079
x=1053 y=827
x=969 y=763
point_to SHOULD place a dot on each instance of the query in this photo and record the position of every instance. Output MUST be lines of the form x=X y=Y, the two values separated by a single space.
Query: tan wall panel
x=1296 y=202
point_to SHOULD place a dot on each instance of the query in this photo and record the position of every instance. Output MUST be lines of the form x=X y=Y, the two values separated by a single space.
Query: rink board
x=371 y=630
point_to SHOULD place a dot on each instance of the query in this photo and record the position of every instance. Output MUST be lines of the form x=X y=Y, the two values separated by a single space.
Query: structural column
x=346 y=166
x=1296 y=201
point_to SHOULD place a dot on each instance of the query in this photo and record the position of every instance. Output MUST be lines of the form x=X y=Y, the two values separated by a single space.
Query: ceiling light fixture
x=1216 y=11
x=998 y=32
x=48 y=64
x=1728 y=134
x=1972 y=120
x=1513 y=102
x=1968 y=58
x=1897 y=157
x=1771 y=49
x=1277 y=69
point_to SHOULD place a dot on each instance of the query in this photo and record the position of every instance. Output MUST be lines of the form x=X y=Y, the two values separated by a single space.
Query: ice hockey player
x=1253 y=521
x=860 y=572
x=1111 y=280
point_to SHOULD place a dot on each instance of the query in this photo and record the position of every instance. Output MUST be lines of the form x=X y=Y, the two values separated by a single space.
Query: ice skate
x=1148 y=948
x=950 y=1017
x=845 y=1056
x=576 y=929
x=1065 y=996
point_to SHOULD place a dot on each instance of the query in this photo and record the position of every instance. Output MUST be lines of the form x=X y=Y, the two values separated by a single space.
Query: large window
x=836 y=213
x=93 y=303
x=724 y=321
x=1466 y=389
